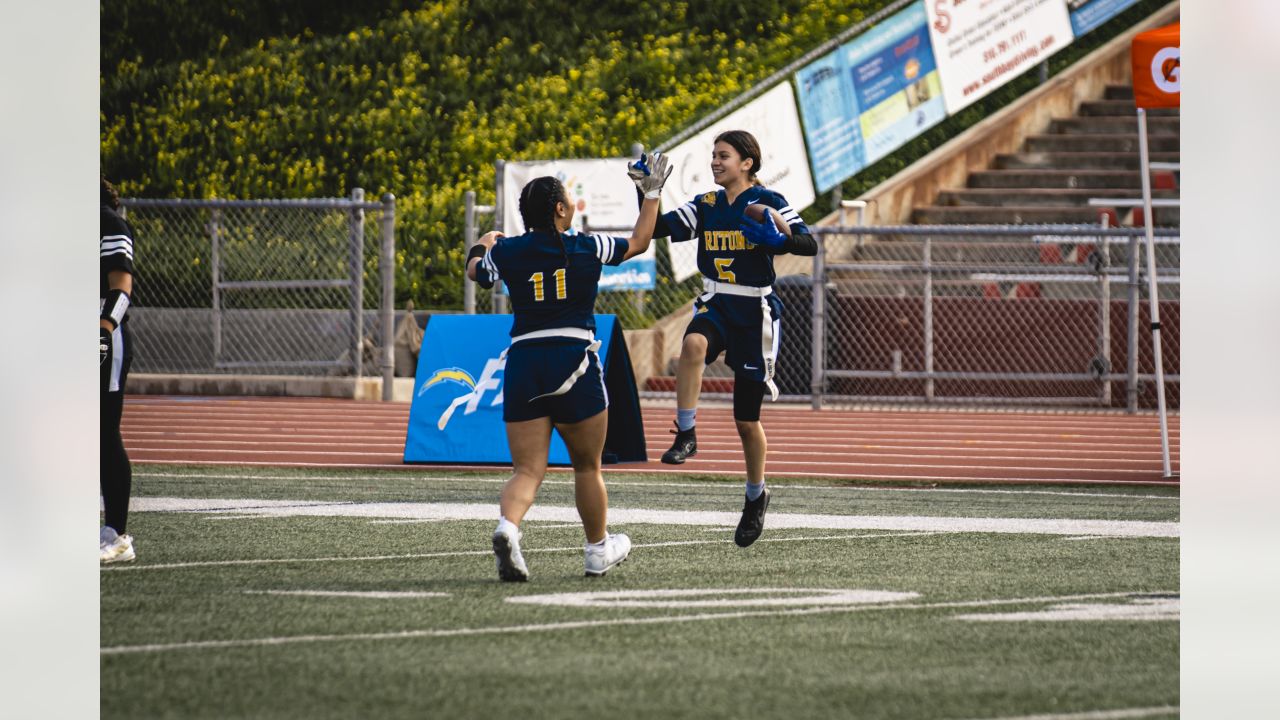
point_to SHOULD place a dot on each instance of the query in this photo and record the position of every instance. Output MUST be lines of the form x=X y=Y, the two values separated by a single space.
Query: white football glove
x=650 y=173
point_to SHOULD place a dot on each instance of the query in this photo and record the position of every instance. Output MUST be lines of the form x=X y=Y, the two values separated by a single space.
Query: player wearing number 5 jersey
x=738 y=313
x=553 y=374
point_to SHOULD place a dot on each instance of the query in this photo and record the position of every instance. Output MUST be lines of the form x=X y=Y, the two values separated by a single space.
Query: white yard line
x=1120 y=714
x=489 y=553
x=640 y=516
x=711 y=484
x=582 y=624
x=358 y=594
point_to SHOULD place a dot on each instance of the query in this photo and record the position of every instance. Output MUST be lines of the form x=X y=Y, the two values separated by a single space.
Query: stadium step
x=667 y=383
x=1052 y=178
x=1037 y=197
x=943 y=215
x=1077 y=160
x=1115 y=143
x=1112 y=125
x=1118 y=92
x=1125 y=108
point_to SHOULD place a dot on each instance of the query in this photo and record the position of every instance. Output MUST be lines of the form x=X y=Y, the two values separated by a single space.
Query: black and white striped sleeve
x=487 y=269
x=683 y=222
x=792 y=217
x=116 y=245
x=611 y=250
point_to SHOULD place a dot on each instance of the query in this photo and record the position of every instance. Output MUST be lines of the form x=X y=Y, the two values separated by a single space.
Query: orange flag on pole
x=1156 y=72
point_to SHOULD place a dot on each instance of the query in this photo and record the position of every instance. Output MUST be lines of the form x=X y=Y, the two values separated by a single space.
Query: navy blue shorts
x=537 y=371
x=747 y=336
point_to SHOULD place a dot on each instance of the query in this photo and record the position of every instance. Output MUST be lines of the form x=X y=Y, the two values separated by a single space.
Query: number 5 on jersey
x=722 y=270
x=538 y=294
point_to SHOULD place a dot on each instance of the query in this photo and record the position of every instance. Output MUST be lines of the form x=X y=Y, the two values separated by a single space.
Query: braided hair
x=538 y=202
x=110 y=197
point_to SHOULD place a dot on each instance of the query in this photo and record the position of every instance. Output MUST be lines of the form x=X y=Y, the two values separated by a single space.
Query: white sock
x=599 y=545
x=508 y=527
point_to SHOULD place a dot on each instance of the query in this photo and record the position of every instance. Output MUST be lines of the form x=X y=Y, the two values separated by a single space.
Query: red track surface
x=991 y=447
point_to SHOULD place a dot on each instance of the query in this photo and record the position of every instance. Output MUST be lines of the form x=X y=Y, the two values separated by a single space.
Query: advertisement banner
x=870 y=96
x=602 y=194
x=895 y=81
x=456 y=414
x=980 y=46
x=1089 y=14
x=772 y=118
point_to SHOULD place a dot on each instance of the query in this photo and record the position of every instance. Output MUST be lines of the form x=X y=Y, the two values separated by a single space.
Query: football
x=756 y=212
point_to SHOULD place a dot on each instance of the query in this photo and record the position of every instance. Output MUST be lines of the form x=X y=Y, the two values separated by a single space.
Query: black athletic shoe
x=752 y=523
x=685 y=447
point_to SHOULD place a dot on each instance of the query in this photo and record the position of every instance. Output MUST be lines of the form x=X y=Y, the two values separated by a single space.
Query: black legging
x=116 y=471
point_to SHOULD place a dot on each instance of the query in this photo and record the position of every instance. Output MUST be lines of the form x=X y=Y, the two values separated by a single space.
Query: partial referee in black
x=115 y=347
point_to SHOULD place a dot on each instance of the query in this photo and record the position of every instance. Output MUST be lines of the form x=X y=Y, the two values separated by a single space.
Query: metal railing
x=988 y=315
x=286 y=287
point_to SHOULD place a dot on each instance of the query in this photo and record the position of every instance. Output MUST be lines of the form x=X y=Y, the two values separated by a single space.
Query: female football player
x=553 y=375
x=738 y=313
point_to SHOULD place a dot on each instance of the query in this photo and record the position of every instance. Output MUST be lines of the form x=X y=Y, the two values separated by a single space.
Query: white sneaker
x=114 y=548
x=511 y=567
x=616 y=548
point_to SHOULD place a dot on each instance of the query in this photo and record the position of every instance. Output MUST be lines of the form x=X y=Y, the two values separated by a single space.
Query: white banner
x=983 y=44
x=603 y=194
x=772 y=118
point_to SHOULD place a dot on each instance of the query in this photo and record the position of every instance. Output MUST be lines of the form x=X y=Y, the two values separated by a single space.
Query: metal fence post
x=215 y=272
x=499 y=299
x=1131 y=383
x=1104 y=311
x=357 y=283
x=469 y=239
x=818 y=364
x=388 y=268
x=928 y=318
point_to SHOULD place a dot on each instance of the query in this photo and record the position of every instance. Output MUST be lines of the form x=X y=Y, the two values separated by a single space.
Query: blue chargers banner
x=1089 y=14
x=456 y=415
x=870 y=96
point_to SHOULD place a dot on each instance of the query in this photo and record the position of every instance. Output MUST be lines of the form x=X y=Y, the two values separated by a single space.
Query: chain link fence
x=990 y=315
x=288 y=287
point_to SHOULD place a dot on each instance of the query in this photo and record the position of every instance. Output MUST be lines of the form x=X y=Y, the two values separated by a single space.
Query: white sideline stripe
x=369 y=594
x=1121 y=714
x=711 y=484
x=581 y=624
x=640 y=516
x=654 y=470
x=467 y=553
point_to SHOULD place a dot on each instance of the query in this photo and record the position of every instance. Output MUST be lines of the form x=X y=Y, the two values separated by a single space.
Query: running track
x=981 y=447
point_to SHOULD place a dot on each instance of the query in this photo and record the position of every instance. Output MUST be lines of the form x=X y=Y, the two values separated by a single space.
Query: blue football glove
x=763 y=233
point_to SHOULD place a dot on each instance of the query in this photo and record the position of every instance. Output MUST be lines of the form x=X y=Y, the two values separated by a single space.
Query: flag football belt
x=713 y=286
x=573 y=334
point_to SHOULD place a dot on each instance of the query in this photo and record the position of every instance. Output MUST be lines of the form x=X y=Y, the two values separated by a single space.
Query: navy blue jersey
x=724 y=254
x=551 y=286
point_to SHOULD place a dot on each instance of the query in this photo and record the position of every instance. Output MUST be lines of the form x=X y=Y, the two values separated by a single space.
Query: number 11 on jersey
x=538 y=294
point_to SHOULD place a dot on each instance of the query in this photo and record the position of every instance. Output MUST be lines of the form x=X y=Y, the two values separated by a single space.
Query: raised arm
x=477 y=253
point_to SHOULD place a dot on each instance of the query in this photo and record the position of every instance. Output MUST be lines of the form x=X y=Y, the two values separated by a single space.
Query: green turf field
x=321 y=593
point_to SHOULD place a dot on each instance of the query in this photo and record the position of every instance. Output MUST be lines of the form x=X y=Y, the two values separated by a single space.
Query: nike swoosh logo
x=750 y=367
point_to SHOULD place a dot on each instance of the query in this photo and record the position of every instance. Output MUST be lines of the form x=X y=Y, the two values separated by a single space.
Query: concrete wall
x=891 y=202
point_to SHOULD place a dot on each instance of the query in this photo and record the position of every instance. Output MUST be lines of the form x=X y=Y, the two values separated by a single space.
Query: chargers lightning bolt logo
x=452 y=374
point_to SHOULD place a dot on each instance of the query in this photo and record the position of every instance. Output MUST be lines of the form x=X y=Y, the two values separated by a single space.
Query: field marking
x=370 y=594
x=678 y=599
x=472 y=553
x=1143 y=609
x=642 y=483
x=583 y=624
x=1119 y=714
x=640 y=516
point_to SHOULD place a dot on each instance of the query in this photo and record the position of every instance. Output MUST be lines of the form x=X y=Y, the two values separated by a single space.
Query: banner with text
x=980 y=46
x=601 y=193
x=1089 y=14
x=870 y=96
x=772 y=118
